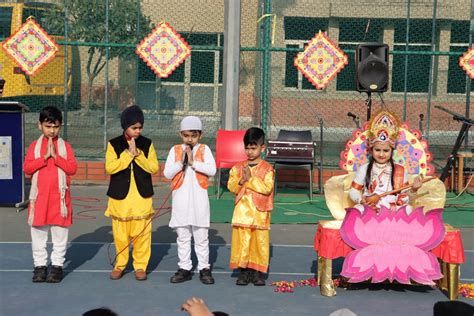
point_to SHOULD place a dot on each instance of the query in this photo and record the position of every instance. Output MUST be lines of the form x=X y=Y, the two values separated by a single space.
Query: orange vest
x=264 y=203
x=398 y=176
x=178 y=179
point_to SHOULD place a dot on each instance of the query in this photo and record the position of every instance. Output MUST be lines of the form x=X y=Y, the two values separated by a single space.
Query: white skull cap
x=190 y=123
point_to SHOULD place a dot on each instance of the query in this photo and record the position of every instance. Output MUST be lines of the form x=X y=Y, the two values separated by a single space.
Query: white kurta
x=190 y=204
x=382 y=177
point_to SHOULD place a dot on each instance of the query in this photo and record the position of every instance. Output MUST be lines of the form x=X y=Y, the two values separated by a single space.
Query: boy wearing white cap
x=189 y=165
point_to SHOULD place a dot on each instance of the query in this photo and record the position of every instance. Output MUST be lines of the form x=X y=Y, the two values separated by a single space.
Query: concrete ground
x=87 y=286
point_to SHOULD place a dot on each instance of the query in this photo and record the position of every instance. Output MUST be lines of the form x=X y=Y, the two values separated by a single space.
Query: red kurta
x=47 y=206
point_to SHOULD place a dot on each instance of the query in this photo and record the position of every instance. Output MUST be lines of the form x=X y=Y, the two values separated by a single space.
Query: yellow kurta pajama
x=131 y=215
x=250 y=226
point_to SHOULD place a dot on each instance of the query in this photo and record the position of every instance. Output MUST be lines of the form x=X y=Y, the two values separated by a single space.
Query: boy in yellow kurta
x=131 y=160
x=252 y=181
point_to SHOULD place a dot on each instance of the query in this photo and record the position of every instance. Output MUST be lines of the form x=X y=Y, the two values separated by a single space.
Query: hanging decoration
x=320 y=61
x=467 y=62
x=30 y=47
x=163 y=50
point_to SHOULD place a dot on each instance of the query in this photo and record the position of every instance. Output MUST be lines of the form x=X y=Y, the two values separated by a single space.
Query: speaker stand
x=466 y=124
x=369 y=104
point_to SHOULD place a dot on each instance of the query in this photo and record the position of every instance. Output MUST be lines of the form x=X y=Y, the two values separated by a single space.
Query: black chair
x=295 y=136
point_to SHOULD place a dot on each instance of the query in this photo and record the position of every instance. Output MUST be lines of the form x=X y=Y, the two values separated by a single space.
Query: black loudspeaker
x=372 y=67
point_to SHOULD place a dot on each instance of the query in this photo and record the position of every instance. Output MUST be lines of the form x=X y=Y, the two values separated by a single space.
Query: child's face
x=253 y=152
x=134 y=131
x=190 y=137
x=49 y=129
x=382 y=152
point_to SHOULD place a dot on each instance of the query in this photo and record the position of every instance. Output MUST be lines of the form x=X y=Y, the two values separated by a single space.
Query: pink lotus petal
x=392 y=245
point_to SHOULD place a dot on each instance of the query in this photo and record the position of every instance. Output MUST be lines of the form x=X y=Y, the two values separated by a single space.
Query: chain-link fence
x=98 y=67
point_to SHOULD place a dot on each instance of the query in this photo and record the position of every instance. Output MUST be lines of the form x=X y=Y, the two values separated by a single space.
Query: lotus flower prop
x=392 y=245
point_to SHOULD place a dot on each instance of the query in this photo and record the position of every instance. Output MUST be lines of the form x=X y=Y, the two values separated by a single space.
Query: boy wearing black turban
x=131 y=160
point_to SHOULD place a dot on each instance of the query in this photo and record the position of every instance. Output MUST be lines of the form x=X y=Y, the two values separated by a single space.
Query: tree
x=87 y=23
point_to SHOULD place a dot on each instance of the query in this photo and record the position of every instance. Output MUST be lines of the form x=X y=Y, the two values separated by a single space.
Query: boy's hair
x=104 y=311
x=51 y=114
x=254 y=136
x=193 y=131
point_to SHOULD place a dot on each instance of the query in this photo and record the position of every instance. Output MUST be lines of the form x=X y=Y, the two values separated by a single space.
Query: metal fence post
x=230 y=100
x=66 y=70
x=266 y=75
x=107 y=52
x=431 y=75
x=468 y=80
x=407 y=41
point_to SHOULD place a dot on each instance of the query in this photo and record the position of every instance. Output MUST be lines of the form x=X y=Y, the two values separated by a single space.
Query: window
x=5 y=21
x=459 y=43
x=298 y=32
x=351 y=33
x=418 y=65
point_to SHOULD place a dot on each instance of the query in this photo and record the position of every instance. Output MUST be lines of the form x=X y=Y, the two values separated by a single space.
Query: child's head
x=50 y=120
x=132 y=120
x=190 y=130
x=381 y=152
x=254 y=141
x=383 y=131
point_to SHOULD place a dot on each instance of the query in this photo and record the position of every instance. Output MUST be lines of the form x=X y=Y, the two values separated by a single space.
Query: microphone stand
x=466 y=124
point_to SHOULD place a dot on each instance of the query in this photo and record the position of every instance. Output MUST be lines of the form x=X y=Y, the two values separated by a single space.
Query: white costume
x=190 y=215
x=190 y=204
x=380 y=178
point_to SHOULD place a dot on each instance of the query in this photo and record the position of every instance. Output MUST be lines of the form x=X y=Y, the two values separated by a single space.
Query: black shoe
x=257 y=278
x=39 y=274
x=244 y=277
x=181 y=276
x=205 y=276
x=55 y=275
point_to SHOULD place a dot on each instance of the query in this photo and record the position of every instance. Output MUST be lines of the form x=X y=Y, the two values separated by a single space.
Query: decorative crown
x=384 y=127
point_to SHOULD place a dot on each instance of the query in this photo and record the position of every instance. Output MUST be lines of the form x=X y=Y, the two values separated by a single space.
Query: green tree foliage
x=87 y=23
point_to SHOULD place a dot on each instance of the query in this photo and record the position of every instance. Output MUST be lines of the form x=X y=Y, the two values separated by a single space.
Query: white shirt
x=190 y=203
x=382 y=177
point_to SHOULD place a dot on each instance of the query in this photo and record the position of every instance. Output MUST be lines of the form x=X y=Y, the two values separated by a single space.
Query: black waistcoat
x=120 y=181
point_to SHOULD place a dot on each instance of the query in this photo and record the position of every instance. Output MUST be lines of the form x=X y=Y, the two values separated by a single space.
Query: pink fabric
x=47 y=205
x=392 y=245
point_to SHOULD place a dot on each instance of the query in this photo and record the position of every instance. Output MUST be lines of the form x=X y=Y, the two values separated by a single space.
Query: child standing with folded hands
x=131 y=160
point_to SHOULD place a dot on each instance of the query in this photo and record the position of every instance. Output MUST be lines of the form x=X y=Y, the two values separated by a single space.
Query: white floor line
x=162 y=243
x=155 y=243
x=173 y=271
x=160 y=271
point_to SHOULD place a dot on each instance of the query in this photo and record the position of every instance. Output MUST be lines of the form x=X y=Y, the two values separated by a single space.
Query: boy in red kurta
x=50 y=161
